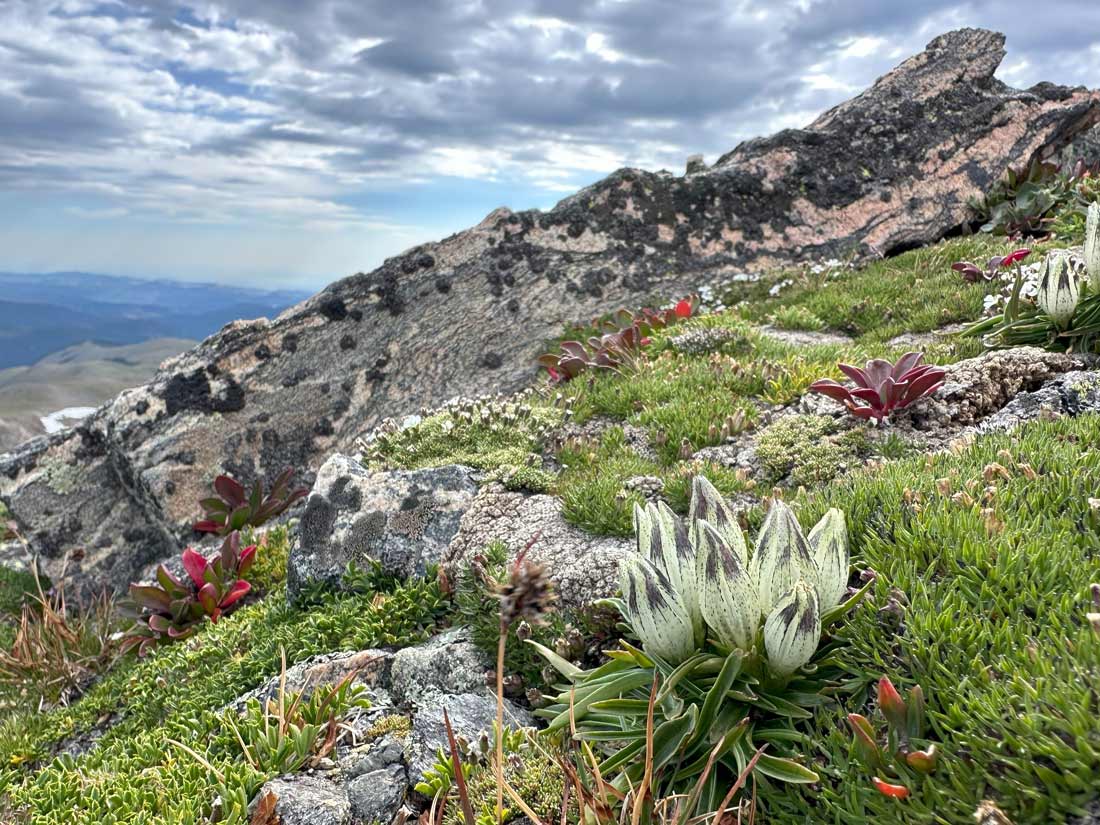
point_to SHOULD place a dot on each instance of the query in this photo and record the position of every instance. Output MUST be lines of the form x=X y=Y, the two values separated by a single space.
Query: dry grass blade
x=57 y=649
x=722 y=809
x=643 y=790
x=460 y=777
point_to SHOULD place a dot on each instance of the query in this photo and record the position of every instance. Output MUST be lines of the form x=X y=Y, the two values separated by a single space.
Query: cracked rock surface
x=584 y=567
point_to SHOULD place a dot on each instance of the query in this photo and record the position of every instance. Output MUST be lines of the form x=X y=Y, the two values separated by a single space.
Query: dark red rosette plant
x=972 y=273
x=882 y=387
x=172 y=608
x=627 y=333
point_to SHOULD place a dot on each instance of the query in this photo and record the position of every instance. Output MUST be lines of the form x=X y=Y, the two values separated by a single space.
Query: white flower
x=793 y=630
x=782 y=556
x=1059 y=291
x=1092 y=245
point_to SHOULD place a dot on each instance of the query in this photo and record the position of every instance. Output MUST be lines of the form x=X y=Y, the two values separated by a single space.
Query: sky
x=294 y=142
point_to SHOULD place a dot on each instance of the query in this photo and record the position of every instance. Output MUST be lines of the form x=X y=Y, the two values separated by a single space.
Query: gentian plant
x=1066 y=314
x=731 y=650
x=882 y=387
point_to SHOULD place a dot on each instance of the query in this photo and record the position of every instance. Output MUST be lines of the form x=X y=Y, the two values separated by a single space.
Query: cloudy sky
x=293 y=142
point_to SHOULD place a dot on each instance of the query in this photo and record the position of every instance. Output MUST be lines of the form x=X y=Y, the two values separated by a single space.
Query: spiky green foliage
x=725 y=636
x=133 y=773
x=988 y=616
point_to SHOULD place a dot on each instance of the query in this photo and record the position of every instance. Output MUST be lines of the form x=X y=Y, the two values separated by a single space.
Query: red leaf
x=239 y=589
x=230 y=490
x=856 y=374
x=829 y=387
x=248 y=556
x=1015 y=257
x=208 y=598
x=195 y=564
x=887 y=789
x=154 y=598
x=206 y=526
x=683 y=309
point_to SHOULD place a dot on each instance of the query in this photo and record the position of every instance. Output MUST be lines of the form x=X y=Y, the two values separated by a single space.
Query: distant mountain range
x=41 y=314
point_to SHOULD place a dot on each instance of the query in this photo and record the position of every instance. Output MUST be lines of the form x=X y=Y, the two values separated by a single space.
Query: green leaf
x=717 y=693
x=566 y=668
x=785 y=770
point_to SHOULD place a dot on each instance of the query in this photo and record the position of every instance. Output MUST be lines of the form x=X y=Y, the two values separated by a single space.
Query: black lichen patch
x=333 y=308
x=492 y=361
x=193 y=392
x=347 y=342
x=290 y=342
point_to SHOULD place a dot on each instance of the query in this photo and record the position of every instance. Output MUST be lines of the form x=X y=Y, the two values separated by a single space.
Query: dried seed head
x=686 y=450
x=943 y=486
x=527 y=594
x=1027 y=471
x=995 y=470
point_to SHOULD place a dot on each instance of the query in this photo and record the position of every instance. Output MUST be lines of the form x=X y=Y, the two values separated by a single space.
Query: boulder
x=402 y=518
x=886 y=171
x=446 y=664
x=584 y=567
x=377 y=796
x=301 y=799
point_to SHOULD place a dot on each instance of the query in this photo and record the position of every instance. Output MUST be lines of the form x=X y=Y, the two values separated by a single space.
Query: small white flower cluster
x=496 y=412
x=996 y=302
x=831 y=266
x=708 y=298
x=779 y=287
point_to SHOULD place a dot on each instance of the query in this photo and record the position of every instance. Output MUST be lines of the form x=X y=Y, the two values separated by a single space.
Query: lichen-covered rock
x=377 y=796
x=301 y=799
x=371 y=668
x=584 y=567
x=448 y=663
x=78 y=512
x=977 y=388
x=1070 y=394
x=402 y=518
x=888 y=170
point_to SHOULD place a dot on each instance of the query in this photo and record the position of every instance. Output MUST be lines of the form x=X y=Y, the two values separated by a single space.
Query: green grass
x=134 y=774
x=913 y=292
x=994 y=631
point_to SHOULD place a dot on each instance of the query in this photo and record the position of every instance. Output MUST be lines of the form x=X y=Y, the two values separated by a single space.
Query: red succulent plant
x=173 y=608
x=882 y=387
x=233 y=508
x=972 y=273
